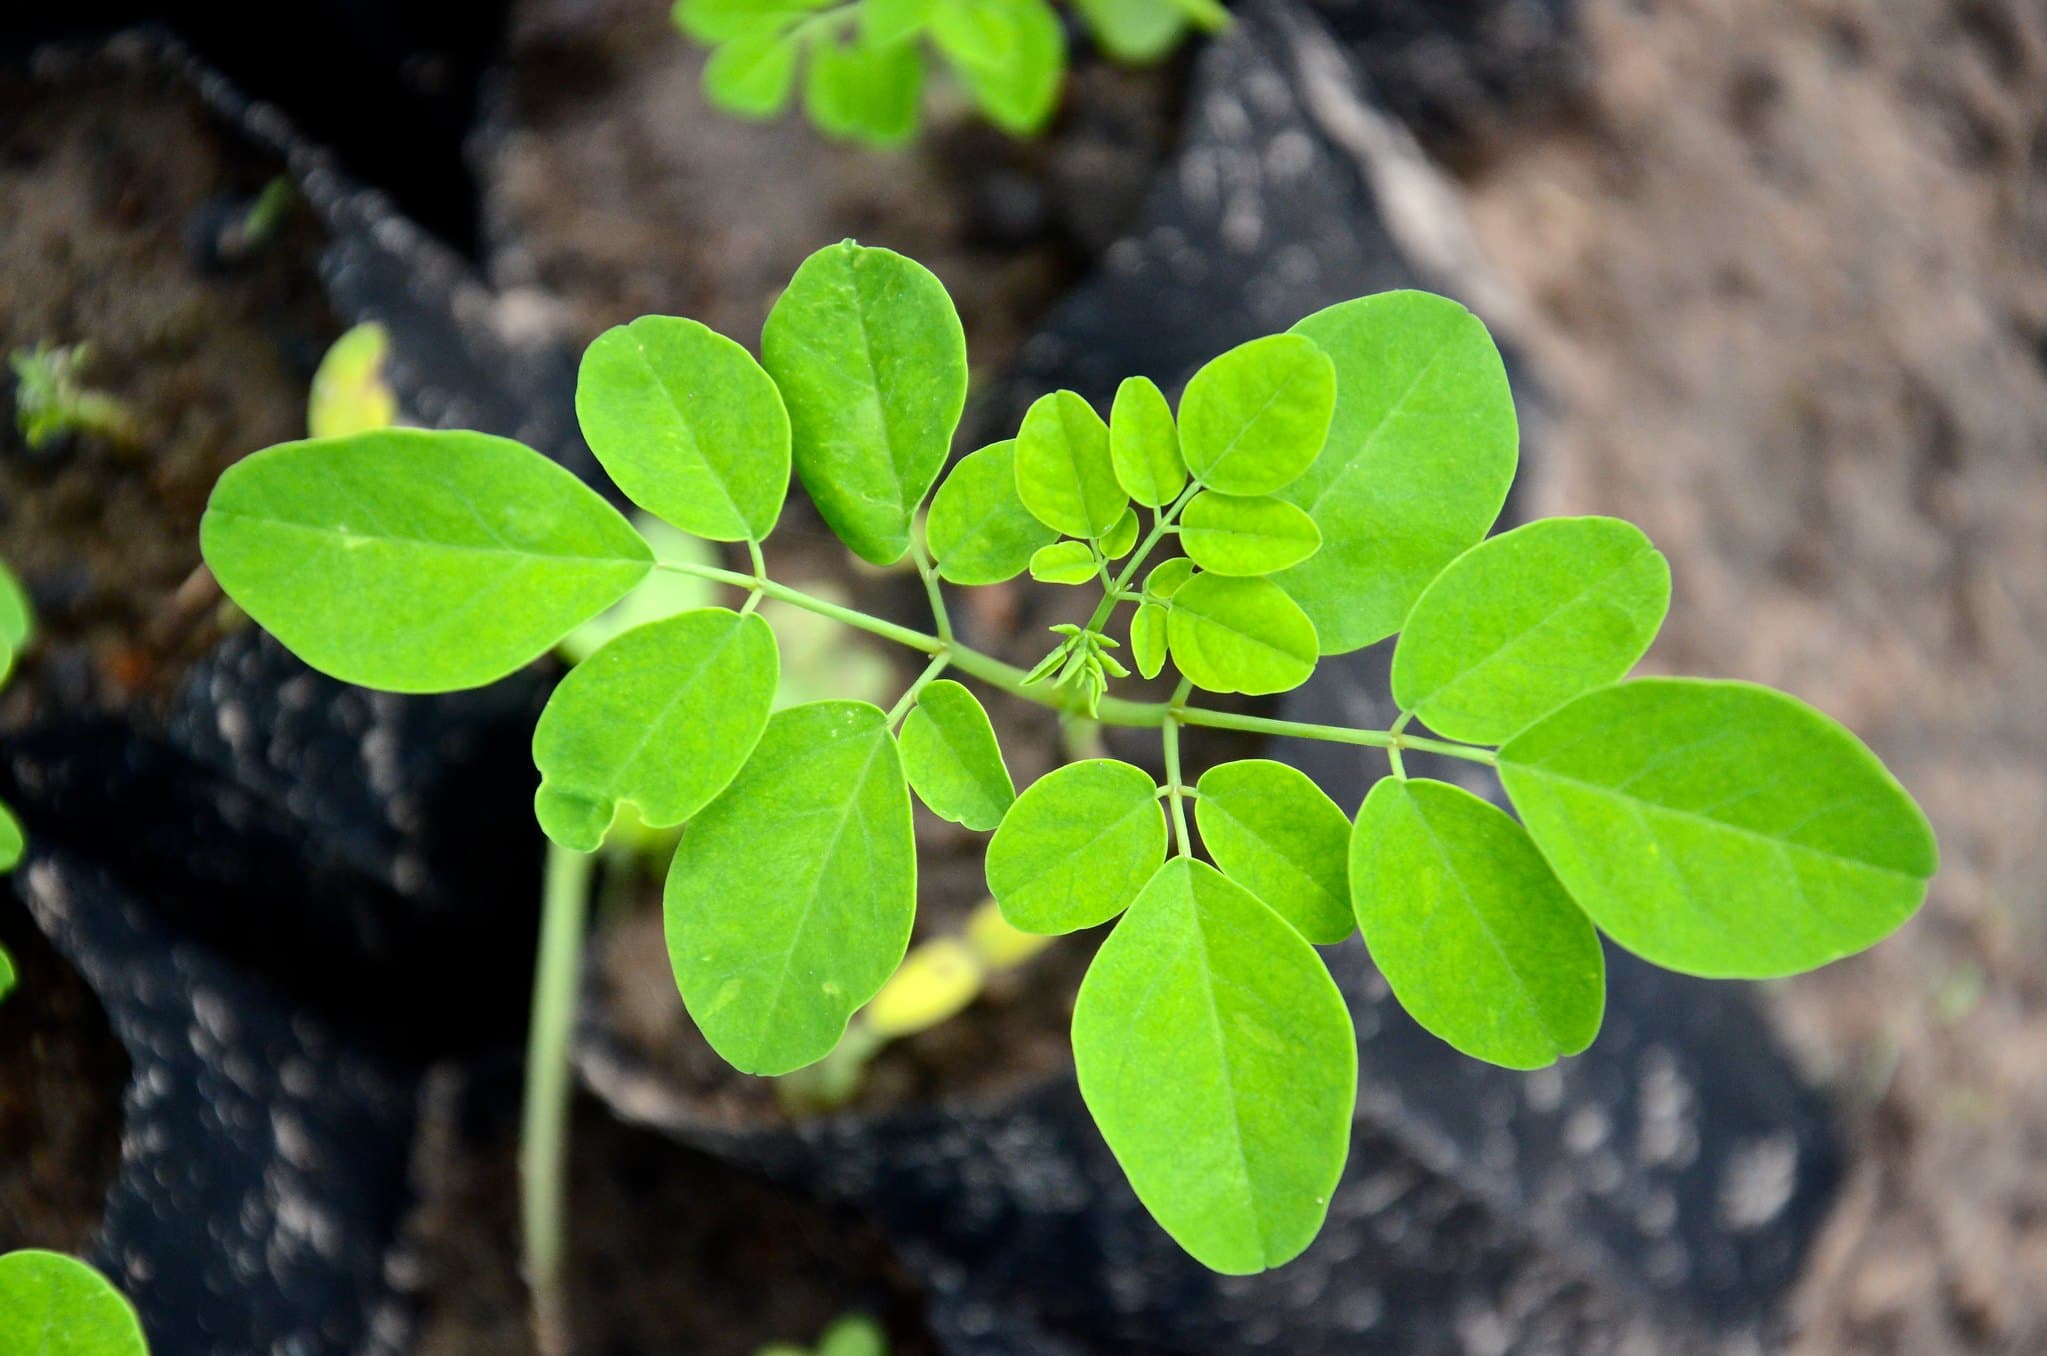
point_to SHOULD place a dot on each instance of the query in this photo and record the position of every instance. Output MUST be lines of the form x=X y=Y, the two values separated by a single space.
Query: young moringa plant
x=863 y=62
x=1328 y=488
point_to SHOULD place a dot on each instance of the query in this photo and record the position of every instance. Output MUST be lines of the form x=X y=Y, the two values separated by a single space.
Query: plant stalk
x=544 y=1130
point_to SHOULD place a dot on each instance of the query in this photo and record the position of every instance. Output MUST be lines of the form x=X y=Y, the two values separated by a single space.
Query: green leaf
x=1218 y=1058
x=1063 y=562
x=1144 y=444
x=865 y=93
x=1167 y=576
x=1254 y=418
x=17 y=620
x=1010 y=54
x=688 y=425
x=7 y=976
x=662 y=594
x=790 y=901
x=1226 y=534
x=954 y=764
x=872 y=363
x=1471 y=929
x=660 y=718
x=349 y=392
x=1274 y=832
x=1135 y=31
x=1720 y=829
x=53 y=1305
x=1121 y=539
x=1420 y=453
x=416 y=561
x=752 y=75
x=1240 y=635
x=886 y=22
x=979 y=529
x=1077 y=846
x=12 y=841
x=853 y=1335
x=715 y=21
x=1148 y=639
x=1521 y=623
x=1063 y=470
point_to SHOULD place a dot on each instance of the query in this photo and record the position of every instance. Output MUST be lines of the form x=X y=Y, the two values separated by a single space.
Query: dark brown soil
x=1787 y=273
x=108 y=176
x=669 y=1252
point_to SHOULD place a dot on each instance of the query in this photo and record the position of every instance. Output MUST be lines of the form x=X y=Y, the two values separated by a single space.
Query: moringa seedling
x=53 y=1305
x=1327 y=488
x=51 y=399
x=863 y=63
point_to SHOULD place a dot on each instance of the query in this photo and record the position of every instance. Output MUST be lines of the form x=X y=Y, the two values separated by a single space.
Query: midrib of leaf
x=888 y=430
x=1272 y=853
x=851 y=812
x=1392 y=411
x=966 y=769
x=686 y=689
x=695 y=444
x=1215 y=1026
x=407 y=539
x=1484 y=924
x=1221 y=625
x=1078 y=855
x=1521 y=636
x=1272 y=398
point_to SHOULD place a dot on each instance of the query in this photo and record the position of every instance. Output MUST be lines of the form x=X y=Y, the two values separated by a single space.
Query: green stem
x=544 y=1134
x=1112 y=711
x=1159 y=529
x=1175 y=792
x=909 y=697
x=939 y=617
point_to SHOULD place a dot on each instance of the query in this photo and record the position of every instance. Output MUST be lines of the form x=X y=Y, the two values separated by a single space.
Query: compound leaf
x=1144 y=444
x=1720 y=829
x=413 y=560
x=1148 y=638
x=12 y=841
x=752 y=75
x=872 y=363
x=1077 y=846
x=1240 y=635
x=1274 y=832
x=865 y=93
x=688 y=425
x=953 y=761
x=661 y=717
x=1227 y=534
x=1218 y=1058
x=1420 y=453
x=1523 y=622
x=1063 y=562
x=53 y=1305
x=1063 y=469
x=790 y=901
x=1471 y=929
x=979 y=529
x=1255 y=418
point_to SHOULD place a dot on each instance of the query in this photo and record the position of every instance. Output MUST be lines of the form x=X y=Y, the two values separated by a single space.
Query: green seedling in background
x=1330 y=487
x=17 y=629
x=853 y=1335
x=51 y=399
x=862 y=63
x=53 y=1305
x=350 y=392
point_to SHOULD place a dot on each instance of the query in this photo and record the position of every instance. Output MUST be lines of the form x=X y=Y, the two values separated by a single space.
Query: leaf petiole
x=939 y=663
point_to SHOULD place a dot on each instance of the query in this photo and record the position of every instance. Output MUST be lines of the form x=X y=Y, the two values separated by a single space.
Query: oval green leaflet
x=1217 y=1057
x=7 y=976
x=1525 y=621
x=885 y=22
x=17 y=620
x=790 y=901
x=1256 y=417
x=1239 y=635
x=1010 y=54
x=688 y=425
x=12 y=841
x=1121 y=539
x=1144 y=444
x=1421 y=450
x=1720 y=829
x=1227 y=534
x=53 y=1305
x=979 y=530
x=660 y=718
x=863 y=93
x=1277 y=834
x=1064 y=562
x=1135 y=30
x=872 y=365
x=952 y=759
x=1475 y=936
x=413 y=560
x=1063 y=470
x=350 y=394
x=1077 y=846
x=1148 y=638
x=1167 y=576
x=753 y=75
x=723 y=20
